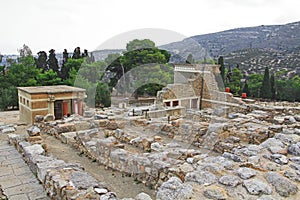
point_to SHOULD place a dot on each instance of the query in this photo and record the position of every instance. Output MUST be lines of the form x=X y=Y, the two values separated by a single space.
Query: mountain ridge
x=279 y=44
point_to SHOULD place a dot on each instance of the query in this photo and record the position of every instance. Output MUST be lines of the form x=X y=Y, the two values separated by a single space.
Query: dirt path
x=117 y=182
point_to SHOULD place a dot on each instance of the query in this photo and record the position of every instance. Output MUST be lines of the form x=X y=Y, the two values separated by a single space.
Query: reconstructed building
x=195 y=86
x=59 y=101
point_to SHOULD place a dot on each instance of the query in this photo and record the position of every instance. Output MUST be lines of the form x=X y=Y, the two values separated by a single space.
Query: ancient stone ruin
x=230 y=149
x=251 y=154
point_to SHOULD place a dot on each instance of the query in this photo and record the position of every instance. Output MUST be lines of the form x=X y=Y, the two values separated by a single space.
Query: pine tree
x=52 y=61
x=273 y=87
x=222 y=67
x=265 y=91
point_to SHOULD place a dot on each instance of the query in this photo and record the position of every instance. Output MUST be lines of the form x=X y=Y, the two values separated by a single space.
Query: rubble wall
x=61 y=180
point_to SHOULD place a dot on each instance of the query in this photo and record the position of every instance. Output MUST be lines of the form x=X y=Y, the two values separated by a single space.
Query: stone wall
x=61 y=180
x=106 y=146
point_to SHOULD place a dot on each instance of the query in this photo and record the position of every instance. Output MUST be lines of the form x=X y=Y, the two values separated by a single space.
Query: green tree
x=77 y=53
x=23 y=73
x=92 y=71
x=103 y=95
x=273 y=87
x=288 y=89
x=41 y=61
x=222 y=67
x=151 y=57
x=72 y=74
x=246 y=89
x=265 y=91
x=235 y=81
x=48 y=78
x=254 y=83
x=295 y=83
x=65 y=57
x=151 y=80
x=66 y=69
x=140 y=44
x=8 y=97
x=52 y=61
x=111 y=58
x=25 y=51
x=85 y=53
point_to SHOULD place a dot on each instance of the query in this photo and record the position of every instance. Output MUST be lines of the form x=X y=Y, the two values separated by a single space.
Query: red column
x=80 y=107
x=65 y=108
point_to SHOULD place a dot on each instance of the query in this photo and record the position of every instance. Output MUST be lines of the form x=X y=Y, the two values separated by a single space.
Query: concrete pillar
x=51 y=107
x=51 y=100
x=80 y=107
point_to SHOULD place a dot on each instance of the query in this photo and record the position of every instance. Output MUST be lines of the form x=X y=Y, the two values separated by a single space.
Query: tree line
x=149 y=69
x=80 y=69
x=265 y=86
x=44 y=70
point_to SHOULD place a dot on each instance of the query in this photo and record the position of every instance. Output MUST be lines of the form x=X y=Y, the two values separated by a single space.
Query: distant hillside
x=255 y=60
x=276 y=46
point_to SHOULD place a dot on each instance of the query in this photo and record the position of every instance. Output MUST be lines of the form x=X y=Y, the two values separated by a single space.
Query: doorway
x=58 y=109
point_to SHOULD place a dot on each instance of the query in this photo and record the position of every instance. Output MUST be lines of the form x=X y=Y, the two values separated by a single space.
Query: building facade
x=60 y=100
x=195 y=86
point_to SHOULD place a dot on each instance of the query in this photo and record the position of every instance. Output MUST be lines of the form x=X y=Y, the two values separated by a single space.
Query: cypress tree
x=85 y=53
x=52 y=61
x=41 y=61
x=65 y=56
x=265 y=91
x=64 y=72
x=273 y=87
x=76 y=53
x=222 y=67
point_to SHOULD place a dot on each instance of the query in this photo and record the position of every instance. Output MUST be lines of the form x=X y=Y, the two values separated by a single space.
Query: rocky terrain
x=252 y=152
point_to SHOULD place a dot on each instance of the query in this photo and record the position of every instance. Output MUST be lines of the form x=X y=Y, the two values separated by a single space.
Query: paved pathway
x=16 y=179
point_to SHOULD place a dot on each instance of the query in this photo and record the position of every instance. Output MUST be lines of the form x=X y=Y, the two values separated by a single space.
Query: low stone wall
x=61 y=180
x=106 y=146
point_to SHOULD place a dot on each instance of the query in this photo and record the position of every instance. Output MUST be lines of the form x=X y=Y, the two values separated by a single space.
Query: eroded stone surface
x=230 y=180
x=257 y=187
x=215 y=192
x=174 y=189
x=282 y=185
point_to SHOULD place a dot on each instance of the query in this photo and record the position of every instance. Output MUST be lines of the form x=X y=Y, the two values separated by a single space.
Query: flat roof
x=50 y=89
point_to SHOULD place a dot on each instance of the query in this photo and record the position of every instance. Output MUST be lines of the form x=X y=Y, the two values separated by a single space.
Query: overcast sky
x=60 y=24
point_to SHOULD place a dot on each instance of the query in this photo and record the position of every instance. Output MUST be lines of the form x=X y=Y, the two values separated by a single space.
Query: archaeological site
x=192 y=142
